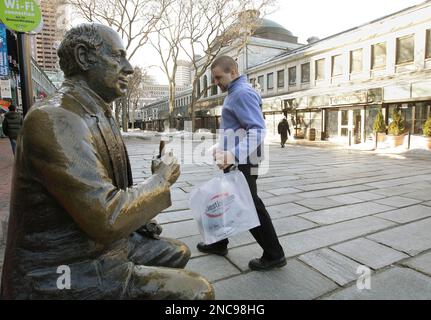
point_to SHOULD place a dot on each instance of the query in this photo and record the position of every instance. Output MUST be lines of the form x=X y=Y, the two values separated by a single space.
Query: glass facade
x=370 y=116
x=331 y=121
x=422 y=113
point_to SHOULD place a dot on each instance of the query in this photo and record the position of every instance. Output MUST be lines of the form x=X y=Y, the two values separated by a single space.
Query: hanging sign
x=4 y=63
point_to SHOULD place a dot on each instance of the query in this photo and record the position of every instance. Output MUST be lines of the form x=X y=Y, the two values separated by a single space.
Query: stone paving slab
x=423 y=195
x=346 y=199
x=393 y=284
x=398 y=202
x=421 y=263
x=174 y=216
x=285 y=210
x=292 y=282
x=407 y=214
x=283 y=191
x=369 y=253
x=366 y=195
x=428 y=203
x=318 y=203
x=335 y=266
x=180 y=229
x=334 y=215
x=412 y=238
x=280 y=199
x=212 y=267
x=334 y=191
x=309 y=240
x=292 y=224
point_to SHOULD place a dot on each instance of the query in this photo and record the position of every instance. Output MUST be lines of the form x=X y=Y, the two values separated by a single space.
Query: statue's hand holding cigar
x=165 y=165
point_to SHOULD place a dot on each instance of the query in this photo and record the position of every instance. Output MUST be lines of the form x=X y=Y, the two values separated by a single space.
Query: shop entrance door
x=350 y=126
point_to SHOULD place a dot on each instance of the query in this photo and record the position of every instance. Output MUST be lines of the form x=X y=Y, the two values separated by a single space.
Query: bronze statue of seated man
x=75 y=211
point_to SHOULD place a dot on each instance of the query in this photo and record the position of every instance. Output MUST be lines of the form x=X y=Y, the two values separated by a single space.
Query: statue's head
x=95 y=53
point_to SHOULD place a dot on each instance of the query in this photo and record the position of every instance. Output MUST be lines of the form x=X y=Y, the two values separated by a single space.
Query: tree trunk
x=117 y=111
x=124 y=119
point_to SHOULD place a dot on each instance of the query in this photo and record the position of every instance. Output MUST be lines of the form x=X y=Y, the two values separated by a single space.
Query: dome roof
x=269 y=25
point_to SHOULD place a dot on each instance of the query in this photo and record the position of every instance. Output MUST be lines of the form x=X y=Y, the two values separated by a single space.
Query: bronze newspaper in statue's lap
x=74 y=206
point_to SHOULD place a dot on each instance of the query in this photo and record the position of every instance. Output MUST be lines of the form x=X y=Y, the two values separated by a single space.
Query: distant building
x=153 y=91
x=183 y=76
x=44 y=44
x=332 y=89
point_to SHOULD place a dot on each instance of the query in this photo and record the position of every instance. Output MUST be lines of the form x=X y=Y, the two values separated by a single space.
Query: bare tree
x=212 y=25
x=134 y=20
x=135 y=92
x=171 y=28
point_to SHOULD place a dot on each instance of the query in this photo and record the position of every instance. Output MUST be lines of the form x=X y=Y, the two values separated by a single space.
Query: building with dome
x=269 y=40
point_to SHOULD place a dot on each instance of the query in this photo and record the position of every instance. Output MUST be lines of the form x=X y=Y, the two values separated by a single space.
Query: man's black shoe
x=208 y=248
x=261 y=264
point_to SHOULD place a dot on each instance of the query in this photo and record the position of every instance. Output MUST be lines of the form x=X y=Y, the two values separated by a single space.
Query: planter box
x=427 y=142
x=395 y=141
x=381 y=137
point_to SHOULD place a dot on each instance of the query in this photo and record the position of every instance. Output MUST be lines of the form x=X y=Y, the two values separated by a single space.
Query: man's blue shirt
x=242 y=121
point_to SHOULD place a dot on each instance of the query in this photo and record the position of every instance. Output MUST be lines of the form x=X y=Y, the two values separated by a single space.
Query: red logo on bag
x=215 y=208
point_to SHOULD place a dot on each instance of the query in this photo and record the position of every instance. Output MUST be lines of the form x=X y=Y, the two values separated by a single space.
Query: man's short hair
x=86 y=34
x=226 y=63
x=12 y=107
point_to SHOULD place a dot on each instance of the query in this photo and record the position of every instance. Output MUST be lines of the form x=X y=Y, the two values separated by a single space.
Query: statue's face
x=108 y=75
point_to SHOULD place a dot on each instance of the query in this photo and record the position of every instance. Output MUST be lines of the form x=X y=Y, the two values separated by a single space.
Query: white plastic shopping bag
x=223 y=207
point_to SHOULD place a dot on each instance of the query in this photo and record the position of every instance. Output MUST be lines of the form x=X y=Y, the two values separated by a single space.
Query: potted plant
x=427 y=132
x=396 y=130
x=379 y=127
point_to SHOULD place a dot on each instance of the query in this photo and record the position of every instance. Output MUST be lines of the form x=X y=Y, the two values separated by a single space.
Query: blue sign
x=4 y=63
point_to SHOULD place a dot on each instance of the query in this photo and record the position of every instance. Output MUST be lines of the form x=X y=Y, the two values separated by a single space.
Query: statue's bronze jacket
x=72 y=202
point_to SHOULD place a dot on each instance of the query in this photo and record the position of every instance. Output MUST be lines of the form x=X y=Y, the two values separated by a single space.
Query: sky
x=322 y=18
x=306 y=18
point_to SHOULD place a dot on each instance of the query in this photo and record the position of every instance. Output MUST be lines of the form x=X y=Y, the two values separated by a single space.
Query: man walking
x=241 y=113
x=283 y=129
x=11 y=125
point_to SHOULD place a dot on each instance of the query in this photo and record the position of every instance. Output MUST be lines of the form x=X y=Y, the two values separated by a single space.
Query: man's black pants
x=265 y=233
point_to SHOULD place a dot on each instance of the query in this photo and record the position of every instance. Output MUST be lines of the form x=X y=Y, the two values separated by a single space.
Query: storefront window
x=320 y=69
x=406 y=113
x=292 y=76
x=260 y=82
x=378 y=55
x=344 y=117
x=422 y=112
x=305 y=72
x=405 y=49
x=337 y=65
x=428 y=44
x=270 y=81
x=356 y=60
x=370 y=116
x=280 y=78
x=331 y=123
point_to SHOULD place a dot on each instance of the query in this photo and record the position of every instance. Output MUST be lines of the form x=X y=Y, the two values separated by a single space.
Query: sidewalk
x=6 y=163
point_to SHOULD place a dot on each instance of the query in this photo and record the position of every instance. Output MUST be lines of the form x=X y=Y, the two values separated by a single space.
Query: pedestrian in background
x=283 y=129
x=11 y=125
